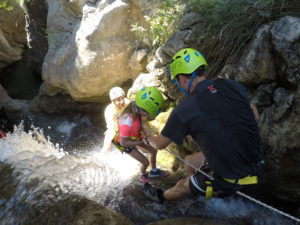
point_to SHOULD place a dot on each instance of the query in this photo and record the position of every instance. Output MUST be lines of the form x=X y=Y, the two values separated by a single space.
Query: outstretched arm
x=158 y=142
x=107 y=144
x=110 y=132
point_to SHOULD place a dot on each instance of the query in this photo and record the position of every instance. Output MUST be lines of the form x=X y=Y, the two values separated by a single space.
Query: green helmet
x=150 y=99
x=186 y=61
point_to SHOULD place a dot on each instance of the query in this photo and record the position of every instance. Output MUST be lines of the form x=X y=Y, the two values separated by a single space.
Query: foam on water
x=36 y=158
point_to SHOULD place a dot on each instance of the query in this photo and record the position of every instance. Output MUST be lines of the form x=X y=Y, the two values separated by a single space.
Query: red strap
x=2 y=134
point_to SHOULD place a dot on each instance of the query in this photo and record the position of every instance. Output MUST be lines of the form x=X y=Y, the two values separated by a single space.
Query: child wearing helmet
x=111 y=114
x=148 y=103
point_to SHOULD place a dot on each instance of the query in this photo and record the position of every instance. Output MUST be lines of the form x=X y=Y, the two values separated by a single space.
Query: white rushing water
x=34 y=157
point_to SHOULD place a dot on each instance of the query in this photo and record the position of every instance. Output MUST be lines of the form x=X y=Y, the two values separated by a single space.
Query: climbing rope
x=238 y=192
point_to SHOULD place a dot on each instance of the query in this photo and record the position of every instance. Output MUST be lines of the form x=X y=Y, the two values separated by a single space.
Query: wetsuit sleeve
x=174 y=129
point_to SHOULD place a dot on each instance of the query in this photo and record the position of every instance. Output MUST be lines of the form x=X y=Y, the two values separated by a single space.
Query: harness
x=119 y=146
x=132 y=138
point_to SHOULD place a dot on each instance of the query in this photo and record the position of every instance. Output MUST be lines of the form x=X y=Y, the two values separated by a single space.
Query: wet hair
x=130 y=109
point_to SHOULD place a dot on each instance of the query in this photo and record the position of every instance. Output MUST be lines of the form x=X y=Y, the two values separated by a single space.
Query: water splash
x=66 y=128
x=45 y=174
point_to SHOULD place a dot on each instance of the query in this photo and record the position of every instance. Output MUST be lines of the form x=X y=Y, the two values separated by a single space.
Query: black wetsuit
x=219 y=118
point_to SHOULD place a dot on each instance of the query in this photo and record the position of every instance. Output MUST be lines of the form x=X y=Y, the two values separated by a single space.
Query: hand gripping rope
x=238 y=192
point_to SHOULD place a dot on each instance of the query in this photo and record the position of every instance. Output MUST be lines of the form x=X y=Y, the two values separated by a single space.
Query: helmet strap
x=189 y=86
x=139 y=115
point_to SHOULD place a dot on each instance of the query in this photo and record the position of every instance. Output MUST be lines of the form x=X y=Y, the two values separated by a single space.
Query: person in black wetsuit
x=219 y=117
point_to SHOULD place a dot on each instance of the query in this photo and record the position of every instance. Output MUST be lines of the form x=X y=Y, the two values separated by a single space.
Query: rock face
x=74 y=211
x=190 y=221
x=12 y=35
x=91 y=47
x=270 y=67
x=36 y=24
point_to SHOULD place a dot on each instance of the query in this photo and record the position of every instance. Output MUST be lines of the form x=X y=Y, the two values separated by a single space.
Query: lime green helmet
x=150 y=99
x=186 y=61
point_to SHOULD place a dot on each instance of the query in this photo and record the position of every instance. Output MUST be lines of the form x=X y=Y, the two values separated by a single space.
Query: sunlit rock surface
x=91 y=47
x=12 y=35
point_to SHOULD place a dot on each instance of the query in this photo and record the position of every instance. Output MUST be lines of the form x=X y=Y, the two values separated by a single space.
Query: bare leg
x=152 y=151
x=196 y=159
x=182 y=188
x=179 y=190
x=141 y=158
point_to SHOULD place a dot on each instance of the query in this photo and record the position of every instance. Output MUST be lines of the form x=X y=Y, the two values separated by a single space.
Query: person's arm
x=107 y=144
x=110 y=132
x=174 y=130
x=255 y=112
x=126 y=142
x=158 y=142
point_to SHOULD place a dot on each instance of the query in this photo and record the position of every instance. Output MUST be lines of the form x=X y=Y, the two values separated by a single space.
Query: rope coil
x=238 y=192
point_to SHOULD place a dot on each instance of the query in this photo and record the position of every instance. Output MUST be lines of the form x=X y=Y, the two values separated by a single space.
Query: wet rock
x=262 y=97
x=73 y=211
x=285 y=37
x=257 y=65
x=36 y=24
x=190 y=221
x=189 y=20
x=12 y=35
x=176 y=42
x=95 y=214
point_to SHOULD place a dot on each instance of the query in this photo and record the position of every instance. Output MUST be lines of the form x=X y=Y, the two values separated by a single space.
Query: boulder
x=12 y=35
x=270 y=66
x=36 y=29
x=285 y=38
x=92 y=49
x=188 y=220
x=257 y=65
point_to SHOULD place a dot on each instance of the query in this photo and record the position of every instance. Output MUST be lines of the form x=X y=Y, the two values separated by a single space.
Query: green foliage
x=161 y=22
x=226 y=26
x=6 y=4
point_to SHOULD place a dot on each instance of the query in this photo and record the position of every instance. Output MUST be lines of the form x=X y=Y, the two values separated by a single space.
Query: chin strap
x=189 y=86
x=139 y=114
